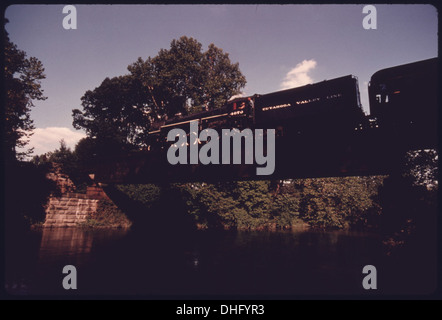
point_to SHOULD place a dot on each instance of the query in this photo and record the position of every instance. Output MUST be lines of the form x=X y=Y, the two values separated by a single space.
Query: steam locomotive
x=403 y=102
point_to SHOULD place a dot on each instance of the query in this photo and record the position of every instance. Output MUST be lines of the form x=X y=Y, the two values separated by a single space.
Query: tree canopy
x=22 y=79
x=177 y=80
x=115 y=112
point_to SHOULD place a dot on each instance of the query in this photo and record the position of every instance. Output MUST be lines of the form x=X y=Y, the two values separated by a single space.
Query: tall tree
x=120 y=111
x=22 y=80
x=222 y=79
x=115 y=114
x=184 y=77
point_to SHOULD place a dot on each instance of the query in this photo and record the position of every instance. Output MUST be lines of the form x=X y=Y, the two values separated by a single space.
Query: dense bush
x=107 y=215
x=329 y=202
x=339 y=202
x=229 y=205
x=147 y=194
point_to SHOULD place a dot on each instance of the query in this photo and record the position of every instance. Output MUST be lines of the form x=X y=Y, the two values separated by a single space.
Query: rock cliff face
x=69 y=210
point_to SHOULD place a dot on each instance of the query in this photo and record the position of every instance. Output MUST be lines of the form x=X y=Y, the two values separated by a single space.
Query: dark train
x=325 y=107
x=402 y=99
x=237 y=113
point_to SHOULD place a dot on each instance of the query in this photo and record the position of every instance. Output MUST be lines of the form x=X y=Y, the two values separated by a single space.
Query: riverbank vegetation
x=338 y=203
x=108 y=215
x=392 y=205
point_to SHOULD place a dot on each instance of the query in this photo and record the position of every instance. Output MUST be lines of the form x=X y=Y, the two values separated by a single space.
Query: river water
x=206 y=264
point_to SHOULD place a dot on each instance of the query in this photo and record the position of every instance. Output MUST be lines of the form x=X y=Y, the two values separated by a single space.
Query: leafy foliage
x=107 y=215
x=408 y=196
x=285 y=207
x=22 y=79
x=147 y=194
x=71 y=163
x=338 y=202
x=114 y=114
x=85 y=152
x=184 y=77
x=230 y=205
x=325 y=203
x=118 y=113
x=421 y=166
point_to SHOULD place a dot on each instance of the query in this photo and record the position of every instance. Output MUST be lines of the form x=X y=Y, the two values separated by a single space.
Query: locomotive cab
x=241 y=111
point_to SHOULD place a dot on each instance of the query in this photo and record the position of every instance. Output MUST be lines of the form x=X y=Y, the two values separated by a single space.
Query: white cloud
x=298 y=76
x=48 y=139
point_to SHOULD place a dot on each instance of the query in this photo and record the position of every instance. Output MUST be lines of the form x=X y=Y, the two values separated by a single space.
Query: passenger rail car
x=404 y=100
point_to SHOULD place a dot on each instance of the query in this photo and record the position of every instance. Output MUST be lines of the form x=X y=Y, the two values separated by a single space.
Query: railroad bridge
x=368 y=152
x=320 y=131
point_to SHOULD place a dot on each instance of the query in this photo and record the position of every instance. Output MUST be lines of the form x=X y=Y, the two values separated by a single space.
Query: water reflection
x=57 y=242
x=135 y=262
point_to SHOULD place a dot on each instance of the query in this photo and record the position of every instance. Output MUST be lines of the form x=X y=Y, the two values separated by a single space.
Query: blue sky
x=277 y=46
